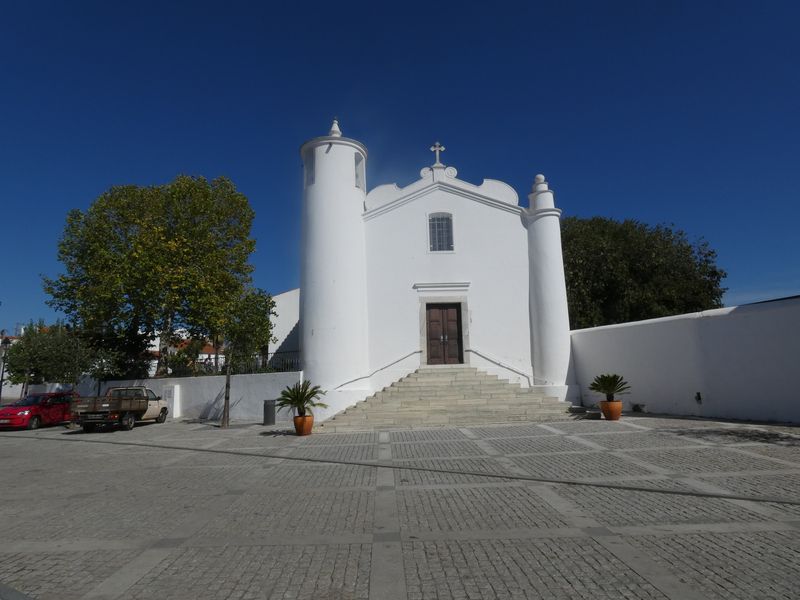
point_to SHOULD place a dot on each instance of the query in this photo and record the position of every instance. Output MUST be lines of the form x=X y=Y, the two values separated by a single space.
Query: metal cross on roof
x=437 y=148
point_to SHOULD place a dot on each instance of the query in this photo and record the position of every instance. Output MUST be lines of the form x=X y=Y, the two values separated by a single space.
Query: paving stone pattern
x=488 y=569
x=65 y=575
x=436 y=513
x=730 y=565
x=436 y=449
x=444 y=471
x=474 y=509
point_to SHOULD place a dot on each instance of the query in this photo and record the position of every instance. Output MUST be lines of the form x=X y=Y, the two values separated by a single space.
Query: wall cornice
x=329 y=139
x=449 y=286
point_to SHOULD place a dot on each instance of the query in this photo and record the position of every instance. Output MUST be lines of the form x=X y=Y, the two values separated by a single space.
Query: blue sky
x=665 y=112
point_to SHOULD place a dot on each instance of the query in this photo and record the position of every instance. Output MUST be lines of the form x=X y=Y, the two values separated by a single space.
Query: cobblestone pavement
x=188 y=511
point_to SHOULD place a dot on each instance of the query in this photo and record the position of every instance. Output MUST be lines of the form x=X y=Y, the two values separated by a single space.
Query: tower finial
x=335 y=131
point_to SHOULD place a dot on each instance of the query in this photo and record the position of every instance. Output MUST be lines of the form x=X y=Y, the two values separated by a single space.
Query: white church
x=438 y=273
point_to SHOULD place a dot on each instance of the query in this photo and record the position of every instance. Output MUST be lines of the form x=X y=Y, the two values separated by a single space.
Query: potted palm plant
x=610 y=385
x=301 y=398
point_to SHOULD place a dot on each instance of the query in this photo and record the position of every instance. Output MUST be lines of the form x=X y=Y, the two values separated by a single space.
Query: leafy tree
x=249 y=331
x=183 y=361
x=143 y=261
x=48 y=354
x=628 y=271
x=122 y=353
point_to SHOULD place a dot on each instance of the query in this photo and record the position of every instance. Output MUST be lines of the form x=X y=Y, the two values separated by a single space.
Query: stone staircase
x=445 y=396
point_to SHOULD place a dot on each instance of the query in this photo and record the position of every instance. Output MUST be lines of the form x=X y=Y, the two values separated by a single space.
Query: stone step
x=464 y=402
x=447 y=396
x=434 y=412
x=415 y=378
x=449 y=389
x=446 y=390
x=435 y=407
x=454 y=400
x=336 y=427
x=445 y=417
x=449 y=376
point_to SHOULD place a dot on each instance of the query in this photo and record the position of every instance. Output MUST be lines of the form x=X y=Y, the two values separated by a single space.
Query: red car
x=38 y=409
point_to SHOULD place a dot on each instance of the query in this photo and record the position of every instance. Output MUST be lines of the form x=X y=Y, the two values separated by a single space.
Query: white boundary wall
x=201 y=397
x=11 y=393
x=742 y=360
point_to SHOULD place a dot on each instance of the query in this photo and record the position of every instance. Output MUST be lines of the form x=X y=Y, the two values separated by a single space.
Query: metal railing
x=274 y=362
x=284 y=362
x=500 y=364
x=386 y=366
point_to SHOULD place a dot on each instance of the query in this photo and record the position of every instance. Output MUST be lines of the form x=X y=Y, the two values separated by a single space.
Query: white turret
x=550 y=338
x=333 y=290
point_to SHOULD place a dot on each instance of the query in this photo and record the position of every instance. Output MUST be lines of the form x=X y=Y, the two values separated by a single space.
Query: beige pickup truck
x=122 y=406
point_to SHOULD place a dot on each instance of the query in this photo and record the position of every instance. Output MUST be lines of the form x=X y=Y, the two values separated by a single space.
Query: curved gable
x=491 y=192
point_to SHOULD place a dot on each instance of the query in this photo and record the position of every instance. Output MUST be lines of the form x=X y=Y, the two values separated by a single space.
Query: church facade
x=438 y=273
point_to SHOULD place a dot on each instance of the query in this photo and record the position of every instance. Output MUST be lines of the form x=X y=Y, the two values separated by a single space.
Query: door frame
x=423 y=327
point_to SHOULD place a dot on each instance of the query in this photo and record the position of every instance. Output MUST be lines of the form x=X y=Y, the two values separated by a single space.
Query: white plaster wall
x=287 y=307
x=490 y=253
x=202 y=397
x=742 y=360
x=550 y=338
x=11 y=393
x=333 y=325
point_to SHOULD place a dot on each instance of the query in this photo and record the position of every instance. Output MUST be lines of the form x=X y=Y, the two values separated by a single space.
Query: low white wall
x=202 y=397
x=742 y=361
x=11 y=393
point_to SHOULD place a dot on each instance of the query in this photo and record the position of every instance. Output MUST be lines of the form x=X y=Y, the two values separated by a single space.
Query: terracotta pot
x=612 y=410
x=303 y=425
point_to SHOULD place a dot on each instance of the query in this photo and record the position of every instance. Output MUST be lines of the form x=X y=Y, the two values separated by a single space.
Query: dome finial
x=335 y=131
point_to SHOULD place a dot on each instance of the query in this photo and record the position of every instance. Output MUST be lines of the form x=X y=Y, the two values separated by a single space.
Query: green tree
x=628 y=271
x=48 y=354
x=145 y=261
x=183 y=361
x=247 y=330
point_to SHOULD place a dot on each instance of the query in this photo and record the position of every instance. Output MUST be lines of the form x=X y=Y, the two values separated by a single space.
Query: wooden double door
x=444 y=339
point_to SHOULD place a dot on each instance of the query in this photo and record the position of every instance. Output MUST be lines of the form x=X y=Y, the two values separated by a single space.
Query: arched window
x=440 y=232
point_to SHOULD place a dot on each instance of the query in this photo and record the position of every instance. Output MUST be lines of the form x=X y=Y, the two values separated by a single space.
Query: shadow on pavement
x=740 y=435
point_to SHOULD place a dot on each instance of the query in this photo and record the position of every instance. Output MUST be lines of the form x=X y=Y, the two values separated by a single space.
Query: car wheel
x=34 y=423
x=127 y=421
x=89 y=427
x=162 y=416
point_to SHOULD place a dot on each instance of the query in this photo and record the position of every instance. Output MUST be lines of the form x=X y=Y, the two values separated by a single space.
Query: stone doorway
x=444 y=337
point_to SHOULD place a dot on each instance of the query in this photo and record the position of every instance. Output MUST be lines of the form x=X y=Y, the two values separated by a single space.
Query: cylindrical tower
x=550 y=339
x=333 y=287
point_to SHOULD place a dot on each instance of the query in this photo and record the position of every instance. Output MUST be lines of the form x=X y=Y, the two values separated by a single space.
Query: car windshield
x=29 y=401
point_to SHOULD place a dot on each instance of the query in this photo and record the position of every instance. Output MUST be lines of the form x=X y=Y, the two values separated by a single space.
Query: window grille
x=440 y=229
